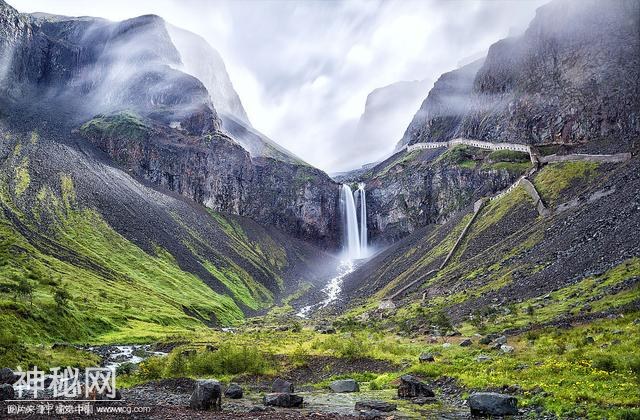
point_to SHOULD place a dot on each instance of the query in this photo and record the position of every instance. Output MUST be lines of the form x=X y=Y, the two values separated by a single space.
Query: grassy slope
x=118 y=291
x=558 y=369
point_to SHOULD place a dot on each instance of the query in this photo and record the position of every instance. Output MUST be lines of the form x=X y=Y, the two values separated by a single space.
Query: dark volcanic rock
x=375 y=405
x=207 y=396
x=412 y=387
x=282 y=399
x=426 y=357
x=7 y=376
x=571 y=78
x=6 y=392
x=344 y=385
x=492 y=404
x=234 y=391
x=280 y=385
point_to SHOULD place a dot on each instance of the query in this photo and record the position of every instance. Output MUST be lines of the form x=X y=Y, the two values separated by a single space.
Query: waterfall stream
x=354 y=244
x=364 y=251
x=351 y=239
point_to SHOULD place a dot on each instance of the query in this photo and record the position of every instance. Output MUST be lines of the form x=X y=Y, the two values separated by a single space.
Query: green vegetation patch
x=121 y=125
x=509 y=156
x=22 y=178
x=555 y=178
x=83 y=281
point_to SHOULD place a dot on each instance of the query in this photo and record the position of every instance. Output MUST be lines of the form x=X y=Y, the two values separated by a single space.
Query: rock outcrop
x=89 y=71
x=572 y=78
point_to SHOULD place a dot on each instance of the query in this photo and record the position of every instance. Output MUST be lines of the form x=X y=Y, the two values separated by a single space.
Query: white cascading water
x=363 y=222
x=351 y=240
x=354 y=246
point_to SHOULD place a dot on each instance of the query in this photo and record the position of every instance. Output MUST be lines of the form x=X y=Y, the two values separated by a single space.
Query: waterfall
x=355 y=237
x=363 y=222
x=351 y=240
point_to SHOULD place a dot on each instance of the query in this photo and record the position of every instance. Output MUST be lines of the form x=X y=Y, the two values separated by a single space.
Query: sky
x=303 y=69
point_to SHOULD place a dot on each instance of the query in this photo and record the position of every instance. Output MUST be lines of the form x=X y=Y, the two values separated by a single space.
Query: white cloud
x=303 y=69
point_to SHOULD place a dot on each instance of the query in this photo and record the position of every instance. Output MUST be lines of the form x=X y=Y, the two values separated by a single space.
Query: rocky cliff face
x=441 y=112
x=218 y=173
x=572 y=78
x=119 y=84
x=413 y=190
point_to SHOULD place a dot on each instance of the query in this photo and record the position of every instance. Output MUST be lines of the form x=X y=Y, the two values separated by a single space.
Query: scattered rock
x=281 y=386
x=8 y=377
x=506 y=349
x=487 y=339
x=207 y=396
x=483 y=358
x=616 y=332
x=345 y=385
x=492 y=404
x=426 y=357
x=6 y=392
x=466 y=343
x=411 y=387
x=325 y=329
x=381 y=406
x=188 y=353
x=387 y=304
x=500 y=340
x=636 y=321
x=454 y=333
x=283 y=399
x=234 y=391
x=372 y=415
x=446 y=345
x=589 y=340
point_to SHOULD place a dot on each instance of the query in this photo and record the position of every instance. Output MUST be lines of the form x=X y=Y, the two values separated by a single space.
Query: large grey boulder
x=7 y=376
x=6 y=392
x=426 y=357
x=234 y=391
x=281 y=385
x=283 y=399
x=492 y=404
x=207 y=396
x=411 y=387
x=382 y=406
x=344 y=385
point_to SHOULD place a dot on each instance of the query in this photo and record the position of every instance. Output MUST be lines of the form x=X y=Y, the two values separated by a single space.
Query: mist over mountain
x=486 y=263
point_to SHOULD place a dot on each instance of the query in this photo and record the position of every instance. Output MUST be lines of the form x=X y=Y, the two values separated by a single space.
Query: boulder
x=345 y=385
x=374 y=405
x=466 y=343
x=7 y=376
x=483 y=358
x=411 y=387
x=500 y=340
x=387 y=304
x=234 y=391
x=6 y=392
x=506 y=349
x=487 y=339
x=280 y=385
x=207 y=396
x=283 y=399
x=325 y=329
x=426 y=357
x=492 y=404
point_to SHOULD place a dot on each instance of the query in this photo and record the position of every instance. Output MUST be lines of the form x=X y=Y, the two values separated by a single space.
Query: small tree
x=24 y=290
x=61 y=296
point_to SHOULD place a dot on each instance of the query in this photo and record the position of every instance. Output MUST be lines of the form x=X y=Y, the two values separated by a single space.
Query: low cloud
x=303 y=69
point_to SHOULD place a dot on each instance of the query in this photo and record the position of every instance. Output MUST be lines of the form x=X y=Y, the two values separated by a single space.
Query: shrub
x=152 y=368
x=230 y=359
x=604 y=362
